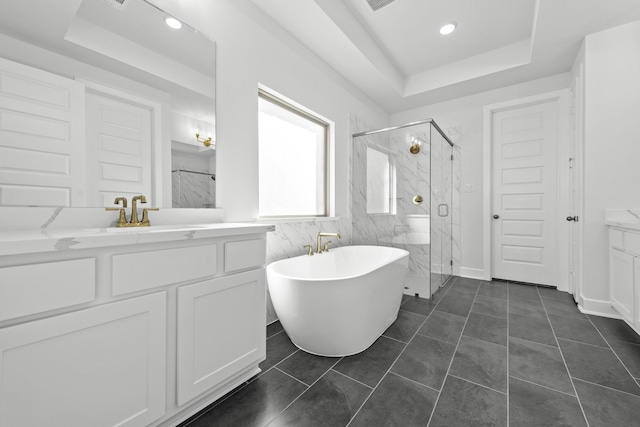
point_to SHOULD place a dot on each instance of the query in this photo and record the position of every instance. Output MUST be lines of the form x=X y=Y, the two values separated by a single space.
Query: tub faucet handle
x=326 y=246
x=310 y=249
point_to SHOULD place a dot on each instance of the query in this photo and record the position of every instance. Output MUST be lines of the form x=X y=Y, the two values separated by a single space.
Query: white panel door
x=42 y=156
x=103 y=366
x=220 y=331
x=524 y=191
x=118 y=148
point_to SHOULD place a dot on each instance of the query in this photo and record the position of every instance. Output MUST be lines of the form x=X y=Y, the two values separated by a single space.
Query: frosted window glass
x=292 y=163
x=378 y=182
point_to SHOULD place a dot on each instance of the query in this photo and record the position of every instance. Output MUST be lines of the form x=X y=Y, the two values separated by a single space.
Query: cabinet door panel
x=621 y=283
x=103 y=366
x=221 y=330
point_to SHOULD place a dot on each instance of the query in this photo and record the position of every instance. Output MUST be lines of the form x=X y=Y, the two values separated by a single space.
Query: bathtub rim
x=403 y=253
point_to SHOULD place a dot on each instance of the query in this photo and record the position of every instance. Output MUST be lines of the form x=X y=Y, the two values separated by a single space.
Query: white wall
x=612 y=143
x=253 y=50
x=467 y=114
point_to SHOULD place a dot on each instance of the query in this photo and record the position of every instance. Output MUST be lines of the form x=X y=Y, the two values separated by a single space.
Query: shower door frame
x=435 y=126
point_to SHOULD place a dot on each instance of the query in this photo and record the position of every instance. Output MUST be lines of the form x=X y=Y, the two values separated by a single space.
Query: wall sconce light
x=206 y=141
x=415 y=145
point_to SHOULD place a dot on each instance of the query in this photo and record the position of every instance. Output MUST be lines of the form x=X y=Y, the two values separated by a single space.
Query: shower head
x=378 y=4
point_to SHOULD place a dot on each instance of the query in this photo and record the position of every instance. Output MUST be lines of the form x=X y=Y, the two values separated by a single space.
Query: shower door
x=441 y=198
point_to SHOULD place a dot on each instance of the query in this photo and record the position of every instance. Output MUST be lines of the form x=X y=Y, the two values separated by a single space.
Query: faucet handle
x=310 y=249
x=326 y=246
x=122 y=218
x=145 y=216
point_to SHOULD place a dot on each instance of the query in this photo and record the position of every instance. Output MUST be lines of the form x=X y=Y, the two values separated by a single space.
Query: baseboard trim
x=598 y=308
x=472 y=273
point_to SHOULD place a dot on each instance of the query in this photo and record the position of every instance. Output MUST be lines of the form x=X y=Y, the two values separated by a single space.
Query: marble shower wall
x=415 y=174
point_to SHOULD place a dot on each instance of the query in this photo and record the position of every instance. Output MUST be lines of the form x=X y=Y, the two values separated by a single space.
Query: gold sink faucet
x=134 y=222
x=319 y=241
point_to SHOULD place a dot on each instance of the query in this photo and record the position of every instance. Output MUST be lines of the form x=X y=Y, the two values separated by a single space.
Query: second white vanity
x=129 y=327
x=624 y=264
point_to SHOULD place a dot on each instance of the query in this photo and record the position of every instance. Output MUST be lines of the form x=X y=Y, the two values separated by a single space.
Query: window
x=293 y=162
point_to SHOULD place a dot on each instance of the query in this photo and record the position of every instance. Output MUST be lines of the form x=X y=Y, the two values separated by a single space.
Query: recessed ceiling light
x=448 y=28
x=173 y=22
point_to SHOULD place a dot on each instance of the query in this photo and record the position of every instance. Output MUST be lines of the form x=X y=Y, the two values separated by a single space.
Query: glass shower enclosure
x=402 y=196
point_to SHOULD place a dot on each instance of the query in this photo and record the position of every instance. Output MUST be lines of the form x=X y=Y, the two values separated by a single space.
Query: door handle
x=572 y=218
x=496 y=216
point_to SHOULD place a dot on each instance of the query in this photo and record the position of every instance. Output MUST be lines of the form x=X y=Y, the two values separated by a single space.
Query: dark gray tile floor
x=477 y=354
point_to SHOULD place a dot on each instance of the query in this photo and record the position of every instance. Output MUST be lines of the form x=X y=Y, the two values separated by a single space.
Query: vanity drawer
x=244 y=254
x=146 y=270
x=35 y=288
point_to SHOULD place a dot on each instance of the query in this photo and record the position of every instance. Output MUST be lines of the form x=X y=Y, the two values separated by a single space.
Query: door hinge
x=452 y=157
x=451 y=262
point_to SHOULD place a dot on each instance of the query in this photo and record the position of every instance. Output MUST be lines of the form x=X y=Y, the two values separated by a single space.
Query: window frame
x=292 y=107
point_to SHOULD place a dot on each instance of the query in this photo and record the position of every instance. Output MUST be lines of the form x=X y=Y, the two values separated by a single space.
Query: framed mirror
x=101 y=99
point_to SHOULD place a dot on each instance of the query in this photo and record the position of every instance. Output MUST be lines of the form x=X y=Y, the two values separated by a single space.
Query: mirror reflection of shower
x=193 y=178
x=402 y=199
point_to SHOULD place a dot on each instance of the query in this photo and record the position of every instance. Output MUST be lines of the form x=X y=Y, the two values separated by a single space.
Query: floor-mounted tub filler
x=338 y=303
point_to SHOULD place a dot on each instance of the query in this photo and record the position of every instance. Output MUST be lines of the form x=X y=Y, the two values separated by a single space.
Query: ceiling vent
x=117 y=4
x=377 y=4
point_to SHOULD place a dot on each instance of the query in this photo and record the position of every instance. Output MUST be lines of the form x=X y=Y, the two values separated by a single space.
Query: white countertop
x=33 y=241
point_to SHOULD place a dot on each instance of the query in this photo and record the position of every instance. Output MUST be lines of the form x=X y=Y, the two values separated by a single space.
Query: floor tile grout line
x=536 y=342
x=253 y=379
x=351 y=378
x=435 y=405
x=300 y=395
x=566 y=367
x=614 y=352
x=413 y=381
x=291 y=376
x=541 y=385
x=607 y=387
x=586 y=343
x=478 y=384
x=277 y=333
x=484 y=314
x=390 y=366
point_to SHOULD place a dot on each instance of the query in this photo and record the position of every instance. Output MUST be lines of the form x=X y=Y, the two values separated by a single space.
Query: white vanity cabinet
x=221 y=329
x=102 y=366
x=129 y=330
x=624 y=274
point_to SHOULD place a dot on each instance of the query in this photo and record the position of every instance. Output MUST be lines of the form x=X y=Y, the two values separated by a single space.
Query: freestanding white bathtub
x=338 y=303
